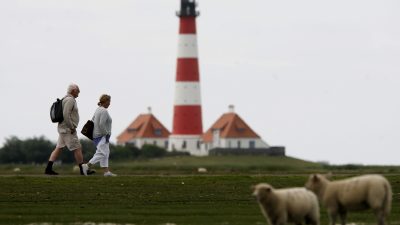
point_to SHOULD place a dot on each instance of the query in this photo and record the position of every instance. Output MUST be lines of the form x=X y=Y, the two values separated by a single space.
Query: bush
x=152 y=151
x=38 y=150
x=31 y=150
x=129 y=151
x=177 y=153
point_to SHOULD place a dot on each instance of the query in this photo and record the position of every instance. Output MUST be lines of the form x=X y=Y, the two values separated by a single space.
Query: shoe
x=50 y=172
x=109 y=174
x=85 y=169
x=90 y=172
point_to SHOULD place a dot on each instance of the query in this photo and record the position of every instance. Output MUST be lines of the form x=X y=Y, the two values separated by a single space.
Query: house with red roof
x=230 y=131
x=230 y=134
x=145 y=129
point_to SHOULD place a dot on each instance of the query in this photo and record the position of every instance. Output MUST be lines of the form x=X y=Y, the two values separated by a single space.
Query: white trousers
x=102 y=153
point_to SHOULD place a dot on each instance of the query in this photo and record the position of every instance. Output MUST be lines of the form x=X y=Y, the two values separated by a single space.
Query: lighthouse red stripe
x=187 y=69
x=187 y=25
x=187 y=120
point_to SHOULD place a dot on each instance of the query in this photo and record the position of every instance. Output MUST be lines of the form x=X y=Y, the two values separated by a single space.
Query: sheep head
x=262 y=191
x=316 y=183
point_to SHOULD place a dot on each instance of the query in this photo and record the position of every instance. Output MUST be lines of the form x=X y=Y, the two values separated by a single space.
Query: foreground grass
x=182 y=200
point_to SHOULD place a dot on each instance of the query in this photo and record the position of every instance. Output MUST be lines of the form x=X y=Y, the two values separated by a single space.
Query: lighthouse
x=187 y=128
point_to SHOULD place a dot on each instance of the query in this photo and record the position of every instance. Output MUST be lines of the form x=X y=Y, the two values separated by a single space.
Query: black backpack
x=56 y=111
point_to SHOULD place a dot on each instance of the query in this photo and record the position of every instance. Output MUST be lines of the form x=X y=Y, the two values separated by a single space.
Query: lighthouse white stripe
x=187 y=93
x=187 y=46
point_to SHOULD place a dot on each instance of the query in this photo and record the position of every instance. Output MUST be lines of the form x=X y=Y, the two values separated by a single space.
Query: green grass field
x=164 y=191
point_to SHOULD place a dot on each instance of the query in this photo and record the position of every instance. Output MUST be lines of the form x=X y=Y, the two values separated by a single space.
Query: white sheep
x=357 y=193
x=280 y=206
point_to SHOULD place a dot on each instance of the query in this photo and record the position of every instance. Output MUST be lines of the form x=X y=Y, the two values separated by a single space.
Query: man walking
x=67 y=131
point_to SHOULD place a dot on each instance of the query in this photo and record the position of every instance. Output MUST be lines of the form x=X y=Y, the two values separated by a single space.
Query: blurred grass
x=165 y=190
x=182 y=200
x=214 y=165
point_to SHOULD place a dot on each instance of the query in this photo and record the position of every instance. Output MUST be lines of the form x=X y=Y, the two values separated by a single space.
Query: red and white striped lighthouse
x=187 y=120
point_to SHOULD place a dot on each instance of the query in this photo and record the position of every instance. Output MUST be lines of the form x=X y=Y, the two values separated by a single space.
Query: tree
x=31 y=150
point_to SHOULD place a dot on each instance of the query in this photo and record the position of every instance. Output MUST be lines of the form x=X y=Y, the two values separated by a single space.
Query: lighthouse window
x=238 y=144
x=184 y=145
x=198 y=144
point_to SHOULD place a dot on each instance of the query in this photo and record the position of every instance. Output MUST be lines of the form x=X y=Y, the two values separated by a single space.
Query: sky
x=319 y=77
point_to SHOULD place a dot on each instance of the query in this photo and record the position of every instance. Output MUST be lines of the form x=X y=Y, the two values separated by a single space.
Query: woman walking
x=101 y=136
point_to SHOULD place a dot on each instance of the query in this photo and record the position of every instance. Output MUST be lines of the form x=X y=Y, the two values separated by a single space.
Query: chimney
x=231 y=108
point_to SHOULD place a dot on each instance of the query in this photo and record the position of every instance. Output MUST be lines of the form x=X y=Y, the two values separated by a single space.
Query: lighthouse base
x=187 y=143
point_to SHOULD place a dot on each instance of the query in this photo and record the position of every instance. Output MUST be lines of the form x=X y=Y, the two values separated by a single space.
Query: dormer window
x=240 y=129
x=131 y=130
x=157 y=132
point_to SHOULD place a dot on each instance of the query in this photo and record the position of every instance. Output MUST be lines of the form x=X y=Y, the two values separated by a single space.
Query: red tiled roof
x=144 y=126
x=230 y=126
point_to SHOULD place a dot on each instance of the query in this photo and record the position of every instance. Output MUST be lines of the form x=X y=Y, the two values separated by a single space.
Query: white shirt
x=102 y=122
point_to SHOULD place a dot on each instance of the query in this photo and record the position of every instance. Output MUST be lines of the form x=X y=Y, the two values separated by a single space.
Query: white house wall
x=160 y=142
x=234 y=143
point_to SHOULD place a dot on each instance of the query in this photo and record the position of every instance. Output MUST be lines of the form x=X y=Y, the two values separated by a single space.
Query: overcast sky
x=321 y=78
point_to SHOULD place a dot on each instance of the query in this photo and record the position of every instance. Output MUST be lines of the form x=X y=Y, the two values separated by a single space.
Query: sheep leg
x=281 y=220
x=343 y=215
x=311 y=220
x=314 y=222
x=278 y=222
x=381 y=216
x=332 y=217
